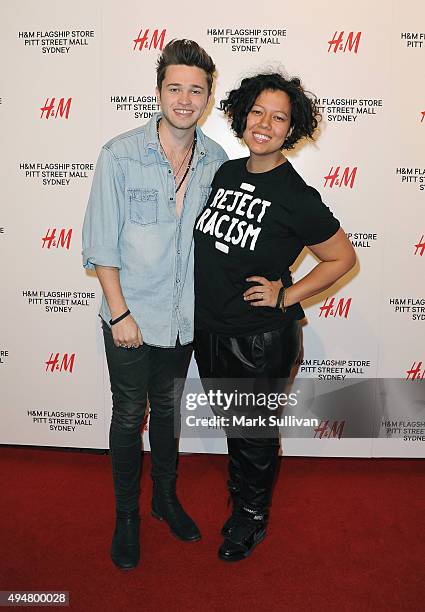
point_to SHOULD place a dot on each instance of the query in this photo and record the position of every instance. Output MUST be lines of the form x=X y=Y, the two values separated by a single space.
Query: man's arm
x=102 y=224
x=126 y=332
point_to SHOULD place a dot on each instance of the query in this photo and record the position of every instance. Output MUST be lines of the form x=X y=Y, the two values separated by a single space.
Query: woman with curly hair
x=259 y=216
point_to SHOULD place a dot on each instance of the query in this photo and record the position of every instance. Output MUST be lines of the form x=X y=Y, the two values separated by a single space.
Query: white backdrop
x=74 y=78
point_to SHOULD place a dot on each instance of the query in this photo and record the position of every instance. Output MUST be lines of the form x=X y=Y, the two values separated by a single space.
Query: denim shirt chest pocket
x=143 y=204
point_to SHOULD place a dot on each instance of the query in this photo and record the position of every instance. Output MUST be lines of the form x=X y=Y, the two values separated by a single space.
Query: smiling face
x=267 y=124
x=183 y=96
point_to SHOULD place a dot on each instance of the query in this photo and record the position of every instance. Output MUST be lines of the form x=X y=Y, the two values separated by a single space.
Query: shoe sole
x=247 y=554
x=161 y=518
x=124 y=569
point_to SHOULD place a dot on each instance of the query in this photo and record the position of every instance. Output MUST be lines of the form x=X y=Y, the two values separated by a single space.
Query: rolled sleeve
x=104 y=214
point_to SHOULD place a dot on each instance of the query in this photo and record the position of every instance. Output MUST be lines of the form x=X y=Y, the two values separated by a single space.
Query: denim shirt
x=131 y=224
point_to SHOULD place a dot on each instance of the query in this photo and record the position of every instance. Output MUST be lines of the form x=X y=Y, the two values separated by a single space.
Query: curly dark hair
x=187 y=52
x=305 y=114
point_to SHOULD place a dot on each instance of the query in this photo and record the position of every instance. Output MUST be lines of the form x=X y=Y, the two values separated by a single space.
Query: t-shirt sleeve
x=310 y=219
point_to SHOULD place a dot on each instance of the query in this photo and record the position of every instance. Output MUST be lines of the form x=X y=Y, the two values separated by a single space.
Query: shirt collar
x=151 y=136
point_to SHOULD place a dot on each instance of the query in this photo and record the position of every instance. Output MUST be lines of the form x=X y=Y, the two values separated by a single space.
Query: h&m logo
x=420 y=246
x=145 y=40
x=347 y=179
x=327 y=430
x=56 y=363
x=62 y=108
x=63 y=240
x=343 y=44
x=416 y=372
x=341 y=309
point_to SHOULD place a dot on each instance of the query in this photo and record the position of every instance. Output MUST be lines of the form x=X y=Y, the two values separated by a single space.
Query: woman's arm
x=337 y=257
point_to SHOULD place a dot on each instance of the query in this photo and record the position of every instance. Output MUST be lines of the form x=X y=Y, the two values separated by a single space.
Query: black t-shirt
x=254 y=224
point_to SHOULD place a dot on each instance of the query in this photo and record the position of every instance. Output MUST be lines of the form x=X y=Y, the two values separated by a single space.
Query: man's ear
x=157 y=93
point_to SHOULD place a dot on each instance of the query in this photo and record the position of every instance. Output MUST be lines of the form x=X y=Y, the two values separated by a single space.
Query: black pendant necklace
x=192 y=148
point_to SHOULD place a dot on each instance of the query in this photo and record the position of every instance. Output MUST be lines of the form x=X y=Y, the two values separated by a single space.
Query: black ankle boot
x=125 y=549
x=166 y=507
x=234 y=499
x=249 y=529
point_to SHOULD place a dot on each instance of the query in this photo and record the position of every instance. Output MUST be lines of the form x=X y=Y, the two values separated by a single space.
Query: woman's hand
x=337 y=257
x=265 y=293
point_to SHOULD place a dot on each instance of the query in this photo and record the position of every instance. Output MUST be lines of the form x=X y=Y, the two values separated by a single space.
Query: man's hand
x=263 y=294
x=127 y=333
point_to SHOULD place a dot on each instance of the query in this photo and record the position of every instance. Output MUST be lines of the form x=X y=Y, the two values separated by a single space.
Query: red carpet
x=345 y=534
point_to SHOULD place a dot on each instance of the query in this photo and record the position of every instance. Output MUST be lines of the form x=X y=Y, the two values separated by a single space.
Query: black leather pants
x=136 y=374
x=264 y=357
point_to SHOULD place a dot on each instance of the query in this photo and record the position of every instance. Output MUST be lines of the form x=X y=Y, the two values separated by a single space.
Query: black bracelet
x=279 y=297
x=282 y=305
x=120 y=318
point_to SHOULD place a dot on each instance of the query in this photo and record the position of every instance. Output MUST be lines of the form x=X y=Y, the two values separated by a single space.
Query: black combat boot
x=166 y=507
x=249 y=529
x=125 y=548
x=234 y=499
x=233 y=484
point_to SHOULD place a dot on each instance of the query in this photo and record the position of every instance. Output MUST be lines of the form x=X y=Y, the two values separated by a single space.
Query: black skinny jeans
x=136 y=374
x=264 y=357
